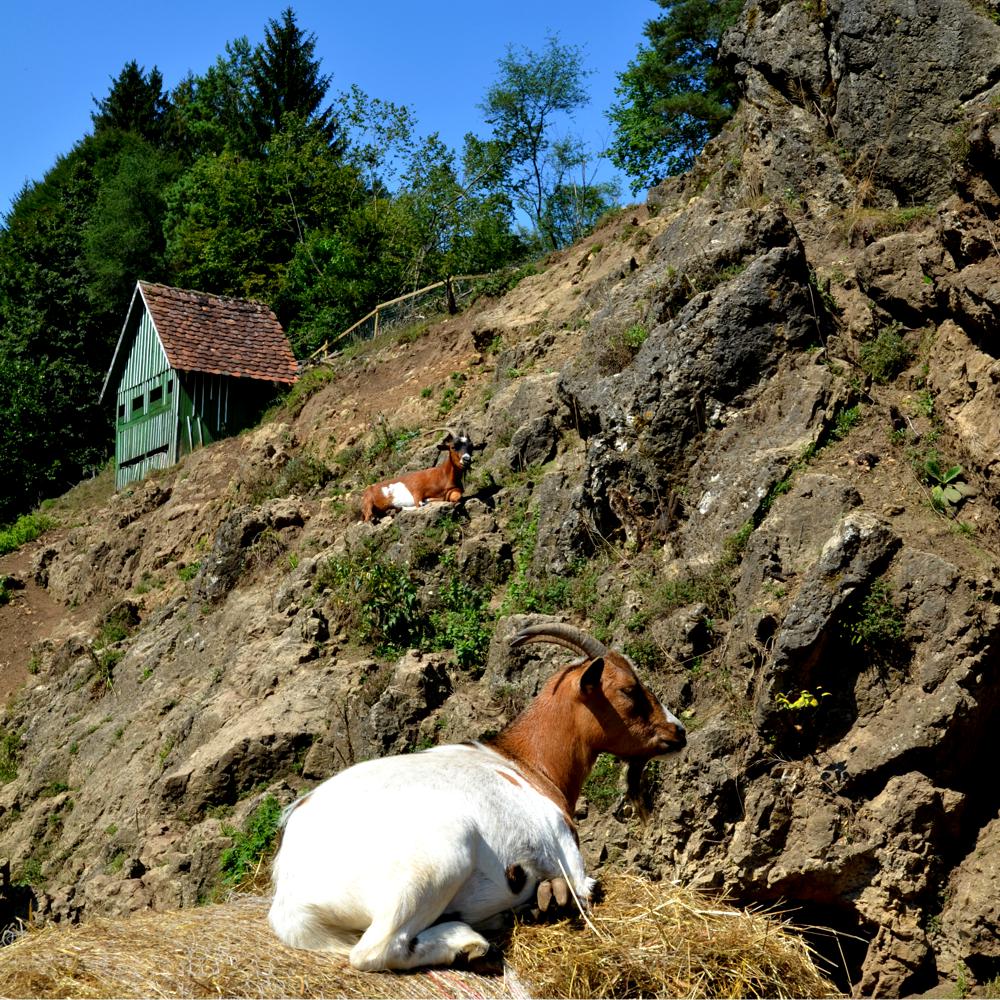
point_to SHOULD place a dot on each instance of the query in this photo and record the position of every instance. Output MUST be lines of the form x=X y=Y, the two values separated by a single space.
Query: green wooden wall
x=163 y=413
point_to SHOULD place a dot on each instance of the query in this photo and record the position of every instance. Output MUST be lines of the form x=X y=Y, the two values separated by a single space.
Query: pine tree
x=286 y=81
x=676 y=94
x=136 y=103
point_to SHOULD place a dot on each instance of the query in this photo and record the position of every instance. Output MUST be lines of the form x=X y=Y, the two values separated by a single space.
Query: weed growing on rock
x=877 y=625
x=601 y=786
x=250 y=843
x=886 y=356
x=463 y=623
x=376 y=599
x=10 y=743
x=948 y=489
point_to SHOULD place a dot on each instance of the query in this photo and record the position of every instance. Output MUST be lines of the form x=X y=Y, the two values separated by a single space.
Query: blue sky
x=438 y=57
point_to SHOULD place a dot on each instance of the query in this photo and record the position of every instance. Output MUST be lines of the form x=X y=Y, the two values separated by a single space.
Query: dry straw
x=645 y=939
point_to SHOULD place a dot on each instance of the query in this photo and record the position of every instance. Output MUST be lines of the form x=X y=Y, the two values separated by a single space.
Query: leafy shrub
x=602 y=784
x=309 y=383
x=845 y=421
x=189 y=572
x=25 y=529
x=251 y=842
x=9 y=745
x=300 y=476
x=948 y=489
x=464 y=622
x=621 y=348
x=377 y=599
x=503 y=281
x=877 y=625
x=886 y=356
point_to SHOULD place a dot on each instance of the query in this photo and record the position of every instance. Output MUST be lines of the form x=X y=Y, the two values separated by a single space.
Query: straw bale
x=643 y=939
x=647 y=939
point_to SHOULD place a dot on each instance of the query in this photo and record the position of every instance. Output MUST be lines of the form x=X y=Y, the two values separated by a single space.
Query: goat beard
x=634 y=791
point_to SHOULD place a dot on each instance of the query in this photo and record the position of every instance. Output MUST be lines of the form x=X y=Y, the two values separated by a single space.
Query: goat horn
x=562 y=635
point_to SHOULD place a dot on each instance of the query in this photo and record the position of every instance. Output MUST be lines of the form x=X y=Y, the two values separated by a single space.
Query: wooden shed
x=190 y=368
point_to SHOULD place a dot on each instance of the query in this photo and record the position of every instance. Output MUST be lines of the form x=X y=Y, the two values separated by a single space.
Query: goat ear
x=446 y=443
x=591 y=679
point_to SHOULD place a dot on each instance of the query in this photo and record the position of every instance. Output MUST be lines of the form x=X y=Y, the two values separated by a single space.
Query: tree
x=136 y=103
x=676 y=94
x=123 y=237
x=212 y=111
x=523 y=107
x=286 y=81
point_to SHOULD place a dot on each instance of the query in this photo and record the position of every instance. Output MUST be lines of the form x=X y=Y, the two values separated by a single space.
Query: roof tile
x=220 y=335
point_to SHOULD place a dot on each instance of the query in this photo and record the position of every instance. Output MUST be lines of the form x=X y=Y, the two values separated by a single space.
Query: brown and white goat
x=414 y=489
x=395 y=861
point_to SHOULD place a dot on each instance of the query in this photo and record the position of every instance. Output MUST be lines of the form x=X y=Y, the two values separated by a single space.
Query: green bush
x=602 y=785
x=377 y=600
x=464 y=622
x=886 y=356
x=25 y=529
x=309 y=383
x=9 y=745
x=878 y=626
x=251 y=842
x=503 y=281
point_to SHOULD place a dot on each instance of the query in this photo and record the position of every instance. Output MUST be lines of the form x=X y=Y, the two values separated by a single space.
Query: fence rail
x=405 y=309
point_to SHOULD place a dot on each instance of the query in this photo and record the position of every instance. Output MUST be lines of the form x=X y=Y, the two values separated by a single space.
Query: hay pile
x=646 y=940
x=650 y=939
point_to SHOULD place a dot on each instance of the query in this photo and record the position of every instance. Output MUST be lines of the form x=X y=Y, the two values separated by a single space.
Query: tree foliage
x=525 y=156
x=286 y=81
x=676 y=94
x=136 y=103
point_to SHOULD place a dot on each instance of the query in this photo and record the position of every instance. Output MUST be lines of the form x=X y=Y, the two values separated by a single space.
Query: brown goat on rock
x=415 y=489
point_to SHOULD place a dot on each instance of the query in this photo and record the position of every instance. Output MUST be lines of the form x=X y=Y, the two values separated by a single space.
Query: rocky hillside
x=747 y=432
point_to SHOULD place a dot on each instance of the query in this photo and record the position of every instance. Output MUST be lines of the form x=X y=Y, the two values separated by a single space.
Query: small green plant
x=464 y=622
x=845 y=421
x=621 y=348
x=503 y=281
x=602 y=785
x=189 y=572
x=948 y=489
x=251 y=842
x=426 y=392
x=376 y=599
x=147 y=582
x=309 y=383
x=30 y=874
x=10 y=743
x=805 y=700
x=448 y=400
x=886 y=356
x=116 y=862
x=878 y=624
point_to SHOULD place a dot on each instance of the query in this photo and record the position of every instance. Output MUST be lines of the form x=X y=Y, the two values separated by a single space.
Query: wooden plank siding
x=146 y=408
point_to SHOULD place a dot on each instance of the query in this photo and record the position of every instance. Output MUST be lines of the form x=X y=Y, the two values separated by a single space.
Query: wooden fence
x=405 y=309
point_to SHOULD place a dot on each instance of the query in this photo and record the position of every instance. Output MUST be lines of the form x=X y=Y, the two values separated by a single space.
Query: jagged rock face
x=704 y=348
x=890 y=79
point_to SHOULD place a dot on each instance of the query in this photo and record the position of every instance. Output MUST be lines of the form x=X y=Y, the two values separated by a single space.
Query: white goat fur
x=408 y=839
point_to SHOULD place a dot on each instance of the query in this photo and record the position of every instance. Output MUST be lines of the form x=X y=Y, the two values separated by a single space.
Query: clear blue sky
x=438 y=57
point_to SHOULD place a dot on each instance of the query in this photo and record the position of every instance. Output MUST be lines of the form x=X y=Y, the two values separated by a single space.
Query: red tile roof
x=211 y=333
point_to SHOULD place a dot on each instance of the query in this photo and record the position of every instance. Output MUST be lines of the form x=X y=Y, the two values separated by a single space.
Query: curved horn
x=562 y=635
